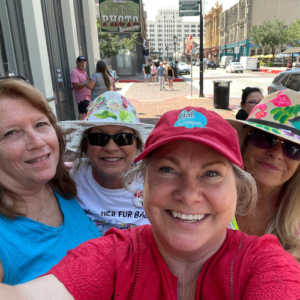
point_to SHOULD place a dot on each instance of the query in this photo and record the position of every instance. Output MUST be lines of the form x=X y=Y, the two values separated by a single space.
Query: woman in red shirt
x=194 y=184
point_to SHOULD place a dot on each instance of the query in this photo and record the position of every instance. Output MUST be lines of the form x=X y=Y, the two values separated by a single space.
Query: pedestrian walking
x=153 y=73
x=100 y=81
x=170 y=73
x=161 y=76
x=147 y=70
x=79 y=80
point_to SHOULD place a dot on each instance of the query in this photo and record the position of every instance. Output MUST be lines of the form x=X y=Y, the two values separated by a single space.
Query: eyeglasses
x=252 y=103
x=264 y=140
x=101 y=139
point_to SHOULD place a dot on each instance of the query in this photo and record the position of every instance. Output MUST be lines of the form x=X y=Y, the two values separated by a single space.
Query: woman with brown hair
x=100 y=81
x=270 y=145
x=40 y=219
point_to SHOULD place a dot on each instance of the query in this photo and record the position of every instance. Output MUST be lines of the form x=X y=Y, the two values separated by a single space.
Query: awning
x=293 y=50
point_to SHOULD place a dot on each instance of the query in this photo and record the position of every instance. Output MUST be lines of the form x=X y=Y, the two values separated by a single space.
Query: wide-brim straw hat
x=277 y=113
x=111 y=108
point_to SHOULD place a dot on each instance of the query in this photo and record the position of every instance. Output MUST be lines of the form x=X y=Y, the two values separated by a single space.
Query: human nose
x=276 y=151
x=34 y=141
x=111 y=145
x=189 y=190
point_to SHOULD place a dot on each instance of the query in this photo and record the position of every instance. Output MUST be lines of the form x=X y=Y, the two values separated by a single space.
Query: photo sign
x=120 y=15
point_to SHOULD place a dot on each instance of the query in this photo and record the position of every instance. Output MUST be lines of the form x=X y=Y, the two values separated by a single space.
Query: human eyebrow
x=171 y=159
x=214 y=162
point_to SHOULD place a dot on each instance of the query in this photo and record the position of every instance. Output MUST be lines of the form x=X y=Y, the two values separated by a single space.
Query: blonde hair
x=245 y=184
x=284 y=222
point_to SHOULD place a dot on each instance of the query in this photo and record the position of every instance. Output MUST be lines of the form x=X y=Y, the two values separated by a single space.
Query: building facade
x=161 y=31
x=238 y=19
x=41 y=40
x=212 y=25
x=126 y=63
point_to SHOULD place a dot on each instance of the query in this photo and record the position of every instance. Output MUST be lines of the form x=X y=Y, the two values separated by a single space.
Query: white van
x=225 y=60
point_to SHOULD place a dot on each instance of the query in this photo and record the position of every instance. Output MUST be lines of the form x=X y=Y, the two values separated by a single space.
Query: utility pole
x=201 y=67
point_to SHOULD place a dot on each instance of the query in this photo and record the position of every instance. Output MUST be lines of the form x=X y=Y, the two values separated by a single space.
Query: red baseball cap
x=195 y=124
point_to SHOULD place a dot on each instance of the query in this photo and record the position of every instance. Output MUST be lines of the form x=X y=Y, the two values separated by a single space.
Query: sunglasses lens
x=262 y=140
x=98 y=139
x=291 y=150
x=124 y=139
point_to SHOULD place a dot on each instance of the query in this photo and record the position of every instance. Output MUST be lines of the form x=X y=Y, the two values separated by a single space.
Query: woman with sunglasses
x=250 y=98
x=270 y=145
x=107 y=143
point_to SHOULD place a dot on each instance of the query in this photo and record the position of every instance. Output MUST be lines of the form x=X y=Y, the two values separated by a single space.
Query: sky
x=152 y=6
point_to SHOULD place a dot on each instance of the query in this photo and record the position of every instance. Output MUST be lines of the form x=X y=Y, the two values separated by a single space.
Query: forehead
x=189 y=153
x=111 y=129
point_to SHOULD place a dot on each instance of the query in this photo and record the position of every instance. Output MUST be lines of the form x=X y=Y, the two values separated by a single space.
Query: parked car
x=114 y=74
x=225 y=60
x=234 y=67
x=286 y=80
x=211 y=65
x=183 y=68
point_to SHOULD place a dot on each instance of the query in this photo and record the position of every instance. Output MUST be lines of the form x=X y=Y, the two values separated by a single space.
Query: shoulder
x=241 y=115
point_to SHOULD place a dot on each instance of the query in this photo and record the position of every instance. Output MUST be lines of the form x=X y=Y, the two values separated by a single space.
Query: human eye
x=41 y=124
x=212 y=173
x=166 y=170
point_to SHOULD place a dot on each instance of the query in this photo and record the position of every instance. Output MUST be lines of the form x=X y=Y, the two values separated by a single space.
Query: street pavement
x=151 y=103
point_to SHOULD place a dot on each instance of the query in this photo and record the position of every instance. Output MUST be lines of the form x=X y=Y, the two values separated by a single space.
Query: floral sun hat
x=111 y=108
x=277 y=113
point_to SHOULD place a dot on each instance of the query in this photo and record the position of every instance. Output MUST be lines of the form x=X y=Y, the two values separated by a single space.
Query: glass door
x=60 y=74
x=124 y=64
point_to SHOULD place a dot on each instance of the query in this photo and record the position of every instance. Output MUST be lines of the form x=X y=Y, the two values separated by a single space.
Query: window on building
x=152 y=35
x=151 y=30
x=151 y=25
x=179 y=26
x=186 y=30
x=186 y=35
x=186 y=26
x=193 y=26
x=193 y=30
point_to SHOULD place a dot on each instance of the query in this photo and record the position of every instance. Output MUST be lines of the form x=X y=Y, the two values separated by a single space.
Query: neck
x=108 y=182
x=187 y=266
x=256 y=223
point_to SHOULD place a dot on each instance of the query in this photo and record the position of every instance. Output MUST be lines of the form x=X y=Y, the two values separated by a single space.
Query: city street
x=239 y=80
x=151 y=103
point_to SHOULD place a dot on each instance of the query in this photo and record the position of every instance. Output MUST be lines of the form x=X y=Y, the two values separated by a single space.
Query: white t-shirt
x=107 y=207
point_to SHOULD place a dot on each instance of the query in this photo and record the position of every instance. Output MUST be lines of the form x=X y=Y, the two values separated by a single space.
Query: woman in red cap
x=194 y=184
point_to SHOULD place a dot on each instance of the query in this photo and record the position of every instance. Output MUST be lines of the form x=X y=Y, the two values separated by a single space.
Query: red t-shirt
x=126 y=264
x=79 y=76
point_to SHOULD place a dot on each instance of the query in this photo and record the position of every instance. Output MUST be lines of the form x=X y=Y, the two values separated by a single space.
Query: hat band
x=275 y=125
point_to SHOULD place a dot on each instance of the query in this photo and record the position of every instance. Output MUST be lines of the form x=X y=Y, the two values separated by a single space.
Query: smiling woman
x=36 y=192
x=193 y=184
x=107 y=143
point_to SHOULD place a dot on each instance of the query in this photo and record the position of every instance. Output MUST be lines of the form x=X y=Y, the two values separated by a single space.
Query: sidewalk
x=140 y=78
x=151 y=103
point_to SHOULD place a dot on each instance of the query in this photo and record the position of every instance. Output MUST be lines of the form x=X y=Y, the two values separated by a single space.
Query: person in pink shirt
x=79 y=80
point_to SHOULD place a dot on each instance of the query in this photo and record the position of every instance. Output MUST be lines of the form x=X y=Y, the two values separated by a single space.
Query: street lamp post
x=175 y=68
x=167 y=48
x=201 y=69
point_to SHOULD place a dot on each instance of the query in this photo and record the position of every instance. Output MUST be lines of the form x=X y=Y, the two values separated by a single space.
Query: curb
x=140 y=81
x=271 y=71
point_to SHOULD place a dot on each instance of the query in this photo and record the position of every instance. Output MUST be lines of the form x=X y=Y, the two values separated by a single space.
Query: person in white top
x=107 y=143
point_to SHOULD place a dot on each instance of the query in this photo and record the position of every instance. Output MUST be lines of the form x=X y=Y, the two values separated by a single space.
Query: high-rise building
x=167 y=23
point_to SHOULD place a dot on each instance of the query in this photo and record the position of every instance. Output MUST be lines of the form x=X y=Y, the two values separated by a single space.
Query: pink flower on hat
x=260 y=115
x=281 y=100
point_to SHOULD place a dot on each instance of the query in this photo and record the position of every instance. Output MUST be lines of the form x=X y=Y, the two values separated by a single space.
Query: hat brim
x=74 y=130
x=228 y=153
x=284 y=132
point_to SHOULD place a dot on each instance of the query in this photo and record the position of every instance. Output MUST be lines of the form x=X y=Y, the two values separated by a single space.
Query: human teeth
x=37 y=160
x=187 y=218
x=111 y=159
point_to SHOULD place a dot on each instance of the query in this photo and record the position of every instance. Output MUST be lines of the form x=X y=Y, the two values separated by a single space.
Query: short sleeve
x=95 y=77
x=74 y=77
x=274 y=274
x=88 y=272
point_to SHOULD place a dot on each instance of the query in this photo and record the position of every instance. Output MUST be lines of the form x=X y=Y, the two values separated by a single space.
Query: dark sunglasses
x=101 y=139
x=264 y=140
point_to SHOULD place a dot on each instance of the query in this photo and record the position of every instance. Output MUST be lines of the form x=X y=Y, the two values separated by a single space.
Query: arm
x=46 y=288
x=91 y=84
x=173 y=72
x=79 y=86
x=114 y=87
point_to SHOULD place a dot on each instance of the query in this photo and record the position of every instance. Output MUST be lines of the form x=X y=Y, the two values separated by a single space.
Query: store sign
x=188 y=13
x=229 y=51
x=236 y=50
x=120 y=15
